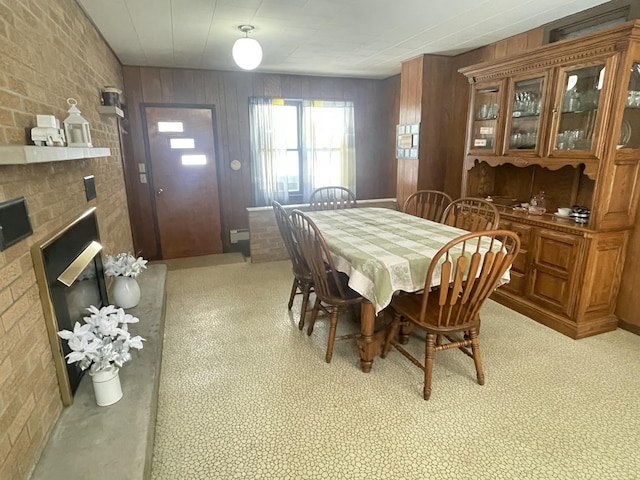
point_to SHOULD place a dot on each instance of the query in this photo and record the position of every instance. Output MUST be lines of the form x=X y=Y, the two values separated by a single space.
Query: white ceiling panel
x=360 y=38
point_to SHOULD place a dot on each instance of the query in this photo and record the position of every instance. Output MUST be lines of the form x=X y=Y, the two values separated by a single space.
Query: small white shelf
x=25 y=154
x=112 y=111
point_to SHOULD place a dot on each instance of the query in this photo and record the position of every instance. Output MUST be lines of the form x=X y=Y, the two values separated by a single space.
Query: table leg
x=368 y=343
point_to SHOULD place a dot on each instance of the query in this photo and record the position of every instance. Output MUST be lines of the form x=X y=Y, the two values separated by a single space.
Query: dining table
x=383 y=252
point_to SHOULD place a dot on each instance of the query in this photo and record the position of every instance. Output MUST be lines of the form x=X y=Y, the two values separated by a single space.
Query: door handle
x=159 y=191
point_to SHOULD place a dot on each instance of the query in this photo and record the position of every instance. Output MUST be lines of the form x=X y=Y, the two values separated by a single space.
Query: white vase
x=126 y=292
x=106 y=386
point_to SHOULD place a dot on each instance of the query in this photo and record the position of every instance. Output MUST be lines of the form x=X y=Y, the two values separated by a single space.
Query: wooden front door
x=184 y=180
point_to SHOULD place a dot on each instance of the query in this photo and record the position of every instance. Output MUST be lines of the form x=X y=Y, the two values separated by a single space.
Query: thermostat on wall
x=235 y=165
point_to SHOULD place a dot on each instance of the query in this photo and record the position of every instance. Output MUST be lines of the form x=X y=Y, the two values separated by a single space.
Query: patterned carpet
x=245 y=395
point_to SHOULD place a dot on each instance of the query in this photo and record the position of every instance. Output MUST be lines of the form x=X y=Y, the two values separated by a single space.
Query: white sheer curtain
x=328 y=139
x=327 y=148
x=268 y=153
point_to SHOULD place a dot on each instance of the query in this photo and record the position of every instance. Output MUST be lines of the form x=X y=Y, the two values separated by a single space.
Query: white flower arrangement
x=104 y=339
x=124 y=264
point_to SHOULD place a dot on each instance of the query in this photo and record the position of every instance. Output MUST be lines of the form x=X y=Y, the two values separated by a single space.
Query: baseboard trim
x=630 y=327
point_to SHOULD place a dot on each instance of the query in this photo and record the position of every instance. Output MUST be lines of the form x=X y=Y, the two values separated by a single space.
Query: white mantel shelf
x=25 y=154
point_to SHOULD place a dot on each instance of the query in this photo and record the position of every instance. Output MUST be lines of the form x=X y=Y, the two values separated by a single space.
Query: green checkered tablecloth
x=383 y=251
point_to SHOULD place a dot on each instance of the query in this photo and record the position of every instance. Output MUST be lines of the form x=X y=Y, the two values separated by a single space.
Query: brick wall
x=265 y=240
x=49 y=51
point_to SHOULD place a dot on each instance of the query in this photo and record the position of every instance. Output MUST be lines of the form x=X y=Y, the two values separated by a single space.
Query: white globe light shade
x=247 y=53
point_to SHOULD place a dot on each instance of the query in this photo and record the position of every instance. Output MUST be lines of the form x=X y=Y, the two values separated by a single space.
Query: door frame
x=149 y=170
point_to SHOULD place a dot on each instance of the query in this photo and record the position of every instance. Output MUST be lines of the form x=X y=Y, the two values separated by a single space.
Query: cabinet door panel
x=516 y=284
x=485 y=125
x=521 y=262
x=552 y=273
x=524 y=115
x=579 y=116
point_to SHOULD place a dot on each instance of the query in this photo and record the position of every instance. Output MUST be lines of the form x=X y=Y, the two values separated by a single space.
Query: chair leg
x=314 y=315
x=332 y=333
x=294 y=290
x=405 y=332
x=429 y=351
x=306 y=290
x=391 y=334
x=475 y=348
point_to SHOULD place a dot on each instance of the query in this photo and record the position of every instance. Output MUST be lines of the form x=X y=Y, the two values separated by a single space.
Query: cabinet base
x=564 y=325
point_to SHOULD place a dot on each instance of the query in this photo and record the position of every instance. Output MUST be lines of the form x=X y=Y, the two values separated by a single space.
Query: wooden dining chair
x=331 y=198
x=302 y=279
x=472 y=266
x=471 y=214
x=332 y=292
x=427 y=204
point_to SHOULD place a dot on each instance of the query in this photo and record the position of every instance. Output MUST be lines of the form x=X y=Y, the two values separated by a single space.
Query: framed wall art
x=407 y=137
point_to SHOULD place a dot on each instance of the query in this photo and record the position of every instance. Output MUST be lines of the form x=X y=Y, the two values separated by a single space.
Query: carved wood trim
x=591 y=47
x=545 y=221
x=590 y=166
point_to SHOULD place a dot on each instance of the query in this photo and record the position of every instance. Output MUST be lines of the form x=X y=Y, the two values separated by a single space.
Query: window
x=182 y=143
x=591 y=20
x=170 y=127
x=194 y=159
x=299 y=145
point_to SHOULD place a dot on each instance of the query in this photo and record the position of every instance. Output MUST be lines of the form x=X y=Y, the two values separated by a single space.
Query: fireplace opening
x=70 y=278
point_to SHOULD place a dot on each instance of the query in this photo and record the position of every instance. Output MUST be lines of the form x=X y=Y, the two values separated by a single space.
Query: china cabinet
x=563 y=119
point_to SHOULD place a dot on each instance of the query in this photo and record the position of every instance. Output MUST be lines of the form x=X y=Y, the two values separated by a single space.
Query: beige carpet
x=245 y=395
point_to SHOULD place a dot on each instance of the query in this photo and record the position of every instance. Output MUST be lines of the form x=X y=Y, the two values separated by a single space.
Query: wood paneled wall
x=228 y=93
x=436 y=95
x=410 y=112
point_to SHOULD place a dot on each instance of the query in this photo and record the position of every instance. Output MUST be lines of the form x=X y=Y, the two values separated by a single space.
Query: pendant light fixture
x=247 y=52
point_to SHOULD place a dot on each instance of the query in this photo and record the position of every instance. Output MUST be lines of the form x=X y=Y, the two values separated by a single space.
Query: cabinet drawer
x=523 y=231
x=516 y=284
x=521 y=263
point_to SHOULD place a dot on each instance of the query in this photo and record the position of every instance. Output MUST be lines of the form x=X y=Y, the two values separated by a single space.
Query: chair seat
x=409 y=306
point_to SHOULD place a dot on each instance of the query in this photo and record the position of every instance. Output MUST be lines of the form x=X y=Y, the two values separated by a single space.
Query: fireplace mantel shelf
x=25 y=154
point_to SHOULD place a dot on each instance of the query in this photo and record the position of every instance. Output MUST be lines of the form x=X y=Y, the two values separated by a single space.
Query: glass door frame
x=543 y=117
x=610 y=63
x=623 y=155
x=498 y=121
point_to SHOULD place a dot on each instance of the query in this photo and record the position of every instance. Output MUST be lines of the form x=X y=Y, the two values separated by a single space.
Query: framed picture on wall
x=407 y=140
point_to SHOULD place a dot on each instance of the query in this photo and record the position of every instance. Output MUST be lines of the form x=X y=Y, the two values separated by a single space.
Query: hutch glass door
x=484 y=119
x=524 y=115
x=578 y=110
x=629 y=137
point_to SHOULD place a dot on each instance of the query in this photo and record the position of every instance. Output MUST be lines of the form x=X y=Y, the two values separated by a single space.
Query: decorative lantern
x=76 y=128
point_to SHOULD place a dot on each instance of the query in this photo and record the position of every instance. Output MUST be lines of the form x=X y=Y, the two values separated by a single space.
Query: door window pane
x=194 y=159
x=182 y=143
x=170 y=127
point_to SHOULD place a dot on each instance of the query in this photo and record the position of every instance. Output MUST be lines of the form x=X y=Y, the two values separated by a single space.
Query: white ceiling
x=353 y=38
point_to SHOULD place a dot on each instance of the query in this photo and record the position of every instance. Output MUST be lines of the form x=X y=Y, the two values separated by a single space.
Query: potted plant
x=103 y=345
x=125 y=268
